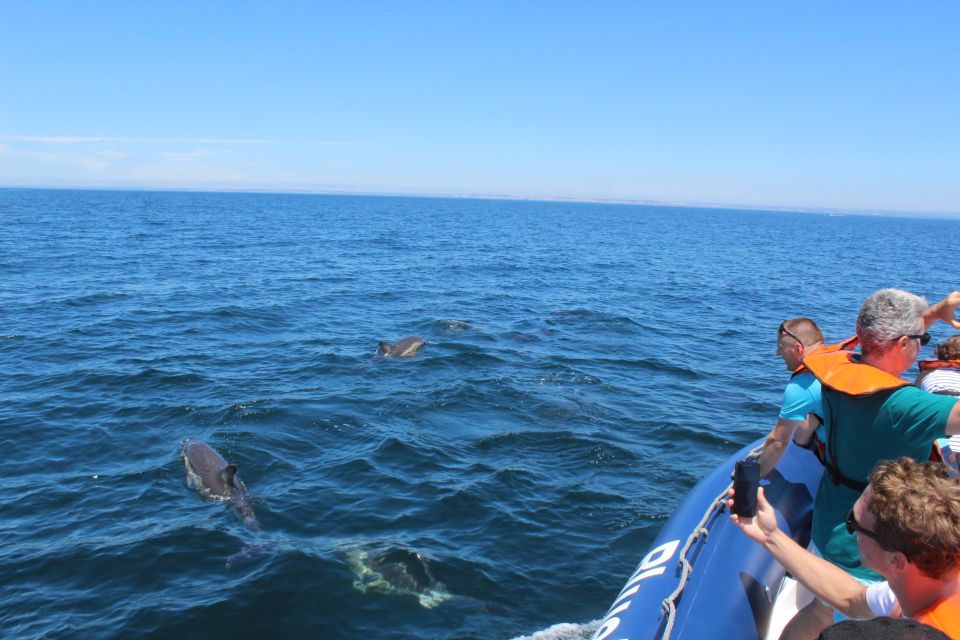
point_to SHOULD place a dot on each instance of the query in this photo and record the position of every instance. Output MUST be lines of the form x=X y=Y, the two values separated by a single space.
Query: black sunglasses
x=783 y=329
x=854 y=527
x=924 y=338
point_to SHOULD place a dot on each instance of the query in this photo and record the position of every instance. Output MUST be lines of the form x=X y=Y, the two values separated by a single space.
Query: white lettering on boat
x=653 y=564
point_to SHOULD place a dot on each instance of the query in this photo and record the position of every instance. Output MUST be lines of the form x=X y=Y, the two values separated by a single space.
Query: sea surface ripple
x=586 y=364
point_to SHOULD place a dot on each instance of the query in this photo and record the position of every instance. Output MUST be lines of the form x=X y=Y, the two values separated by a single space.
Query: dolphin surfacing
x=396 y=570
x=215 y=478
x=406 y=347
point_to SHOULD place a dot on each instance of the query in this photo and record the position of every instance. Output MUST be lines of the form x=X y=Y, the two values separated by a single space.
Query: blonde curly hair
x=917 y=511
x=949 y=349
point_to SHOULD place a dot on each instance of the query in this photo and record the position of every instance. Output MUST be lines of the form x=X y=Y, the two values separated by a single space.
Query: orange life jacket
x=816 y=445
x=944 y=615
x=847 y=345
x=929 y=365
x=843 y=371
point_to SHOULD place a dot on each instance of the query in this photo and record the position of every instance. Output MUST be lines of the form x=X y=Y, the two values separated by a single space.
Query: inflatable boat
x=703 y=578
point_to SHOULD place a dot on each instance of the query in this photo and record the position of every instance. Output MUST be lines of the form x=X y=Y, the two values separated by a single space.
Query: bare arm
x=776 y=443
x=943 y=310
x=953 y=420
x=827 y=581
x=807 y=430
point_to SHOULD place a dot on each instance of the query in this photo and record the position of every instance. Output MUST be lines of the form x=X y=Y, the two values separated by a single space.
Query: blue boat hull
x=727 y=584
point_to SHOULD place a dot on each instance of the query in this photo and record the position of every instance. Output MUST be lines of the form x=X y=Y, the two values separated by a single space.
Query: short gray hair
x=886 y=315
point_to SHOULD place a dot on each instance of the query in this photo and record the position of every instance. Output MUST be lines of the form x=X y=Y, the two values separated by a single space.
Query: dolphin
x=406 y=347
x=213 y=477
x=396 y=570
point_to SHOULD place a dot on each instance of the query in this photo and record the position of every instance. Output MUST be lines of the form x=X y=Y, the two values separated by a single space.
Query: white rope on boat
x=669 y=604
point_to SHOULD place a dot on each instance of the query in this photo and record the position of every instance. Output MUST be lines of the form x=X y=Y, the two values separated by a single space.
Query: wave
x=95 y=299
x=564 y=631
x=449 y=327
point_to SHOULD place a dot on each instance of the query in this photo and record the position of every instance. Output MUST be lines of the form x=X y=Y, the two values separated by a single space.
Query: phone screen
x=746 y=481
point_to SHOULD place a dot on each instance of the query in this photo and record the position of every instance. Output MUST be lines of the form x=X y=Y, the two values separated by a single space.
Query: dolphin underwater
x=213 y=477
x=396 y=570
x=406 y=347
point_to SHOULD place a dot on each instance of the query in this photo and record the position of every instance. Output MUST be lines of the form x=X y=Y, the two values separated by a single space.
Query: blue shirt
x=802 y=396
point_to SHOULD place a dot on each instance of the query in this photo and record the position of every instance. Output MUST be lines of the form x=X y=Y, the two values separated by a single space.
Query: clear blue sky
x=800 y=104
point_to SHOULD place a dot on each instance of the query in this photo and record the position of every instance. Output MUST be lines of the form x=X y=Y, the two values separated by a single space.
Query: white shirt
x=946 y=381
x=881 y=599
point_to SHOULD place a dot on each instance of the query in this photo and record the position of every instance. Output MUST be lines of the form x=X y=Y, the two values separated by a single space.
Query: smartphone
x=746 y=481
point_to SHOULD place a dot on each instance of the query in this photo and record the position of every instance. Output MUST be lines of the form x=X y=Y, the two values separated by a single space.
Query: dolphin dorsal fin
x=227 y=474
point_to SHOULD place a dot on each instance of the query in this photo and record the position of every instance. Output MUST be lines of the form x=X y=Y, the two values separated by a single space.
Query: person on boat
x=870 y=414
x=906 y=524
x=801 y=398
x=943 y=374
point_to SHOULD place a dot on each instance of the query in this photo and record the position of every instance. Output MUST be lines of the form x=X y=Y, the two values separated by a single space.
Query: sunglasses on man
x=783 y=329
x=924 y=338
x=855 y=527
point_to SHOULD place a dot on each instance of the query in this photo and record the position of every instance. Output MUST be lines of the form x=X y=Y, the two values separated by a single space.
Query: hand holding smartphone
x=746 y=481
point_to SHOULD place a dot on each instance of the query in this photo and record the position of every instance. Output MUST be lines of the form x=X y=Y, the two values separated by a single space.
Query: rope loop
x=669 y=605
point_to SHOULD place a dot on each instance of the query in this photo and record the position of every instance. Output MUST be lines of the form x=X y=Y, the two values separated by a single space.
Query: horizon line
x=937 y=214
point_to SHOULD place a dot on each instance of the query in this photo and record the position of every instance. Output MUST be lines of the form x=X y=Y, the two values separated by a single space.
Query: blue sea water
x=586 y=364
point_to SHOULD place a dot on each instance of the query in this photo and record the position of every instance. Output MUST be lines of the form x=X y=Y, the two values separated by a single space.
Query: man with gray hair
x=870 y=414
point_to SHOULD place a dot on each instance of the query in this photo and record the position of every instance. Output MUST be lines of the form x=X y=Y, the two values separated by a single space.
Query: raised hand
x=945 y=310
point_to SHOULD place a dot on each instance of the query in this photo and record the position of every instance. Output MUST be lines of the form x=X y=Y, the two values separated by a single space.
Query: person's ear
x=897 y=561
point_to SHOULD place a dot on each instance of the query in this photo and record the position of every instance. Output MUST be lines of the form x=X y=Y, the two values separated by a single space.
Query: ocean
x=585 y=365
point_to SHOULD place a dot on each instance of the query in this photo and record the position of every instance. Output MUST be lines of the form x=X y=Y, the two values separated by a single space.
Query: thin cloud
x=91 y=164
x=6 y=150
x=85 y=162
x=172 y=174
x=191 y=156
x=343 y=143
x=118 y=140
x=79 y=139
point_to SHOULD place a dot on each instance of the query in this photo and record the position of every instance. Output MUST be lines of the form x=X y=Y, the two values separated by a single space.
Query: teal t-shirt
x=886 y=425
x=802 y=396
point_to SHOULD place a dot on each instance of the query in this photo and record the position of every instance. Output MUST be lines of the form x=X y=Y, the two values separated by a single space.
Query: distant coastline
x=307 y=190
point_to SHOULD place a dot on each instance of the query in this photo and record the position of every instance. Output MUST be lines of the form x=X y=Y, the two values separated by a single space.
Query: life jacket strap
x=838 y=478
x=815 y=446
